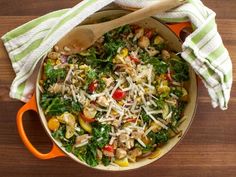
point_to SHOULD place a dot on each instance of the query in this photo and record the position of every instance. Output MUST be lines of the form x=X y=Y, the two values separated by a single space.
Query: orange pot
x=170 y=32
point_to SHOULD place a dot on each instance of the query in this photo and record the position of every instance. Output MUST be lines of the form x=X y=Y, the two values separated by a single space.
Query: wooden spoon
x=82 y=37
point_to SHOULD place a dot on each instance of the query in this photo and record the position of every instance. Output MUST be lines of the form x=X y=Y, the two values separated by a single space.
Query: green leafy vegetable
x=100 y=131
x=75 y=58
x=112 y=46
x=76 y=107
x=159 y=66
x=124 y=29
x=101 y=85
x=148 y=148
x=177 y=111
x=91 y=77
x=160 y=137
x=60 y=135
x=53 y=75
x=176 y=91
x=145 y=117
x=91 y=155
x=160 y=103
x=160 y=47
x=54 y=105
x=80 y=152
x=106 y=160
x=180 y=70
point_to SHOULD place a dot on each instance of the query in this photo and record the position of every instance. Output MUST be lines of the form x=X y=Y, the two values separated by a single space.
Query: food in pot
x=117 y=102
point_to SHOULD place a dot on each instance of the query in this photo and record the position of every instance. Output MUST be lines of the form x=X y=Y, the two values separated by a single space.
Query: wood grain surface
x=208 y=149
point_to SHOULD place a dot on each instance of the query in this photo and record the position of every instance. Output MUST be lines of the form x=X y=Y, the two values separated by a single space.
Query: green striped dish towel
x=203 y=49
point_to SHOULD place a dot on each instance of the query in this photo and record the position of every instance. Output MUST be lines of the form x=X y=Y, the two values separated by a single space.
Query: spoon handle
x=159 y=6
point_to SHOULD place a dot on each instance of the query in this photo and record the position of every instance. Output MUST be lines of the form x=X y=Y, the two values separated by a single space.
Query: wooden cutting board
x=208 y=149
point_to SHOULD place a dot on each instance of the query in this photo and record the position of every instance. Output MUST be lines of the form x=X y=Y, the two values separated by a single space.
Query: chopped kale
x=160 y=47
x=111 y=48
x=91 y=155
x=53 y=75
x=160 y=137
x=106 y=160
x=80 y=152
x=60 y=135
x=54 y=105
x=159 y=65
x=180 y=70
x=148 y=148
x=145 y=117
x=75 y=58
x=100 y=131
x=178 y=111
x=101 y=85
x=176 y=91
x=160 y=103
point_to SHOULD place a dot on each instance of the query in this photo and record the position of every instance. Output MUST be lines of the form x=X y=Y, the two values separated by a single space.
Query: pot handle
x=55 y=151
x=177 y=28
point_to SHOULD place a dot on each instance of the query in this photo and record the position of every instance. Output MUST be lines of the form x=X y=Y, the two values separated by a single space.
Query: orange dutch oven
x=171 y=32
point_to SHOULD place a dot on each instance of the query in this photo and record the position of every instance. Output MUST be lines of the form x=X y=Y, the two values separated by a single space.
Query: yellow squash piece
x=163 y=89
x=67 y=118
x=166 y=110
x=86 y=126
x=158 y=40
x=69 y=131
x=185 y=92
x=122 y=162
x=124 y=52
x=155 y=127
x=155 y=154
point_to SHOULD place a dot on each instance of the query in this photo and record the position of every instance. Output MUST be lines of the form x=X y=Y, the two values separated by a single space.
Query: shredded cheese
x=155 y=120
x=81 y=144
x=141 y=142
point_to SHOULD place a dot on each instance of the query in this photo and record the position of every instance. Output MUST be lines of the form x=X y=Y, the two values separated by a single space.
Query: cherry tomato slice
x=92 y=86
x=87 y=119
x=118 y=94
x=148 y=33
x=108 y=148
x=136 y=60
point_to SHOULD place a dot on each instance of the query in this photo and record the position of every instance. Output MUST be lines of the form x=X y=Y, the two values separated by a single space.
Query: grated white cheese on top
x=109 y=110
x=141 y=142
x=73 y=92
x=116 y=87
x=154 y=119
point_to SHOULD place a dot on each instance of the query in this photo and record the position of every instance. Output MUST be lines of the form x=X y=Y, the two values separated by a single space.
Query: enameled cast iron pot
x=171 y=33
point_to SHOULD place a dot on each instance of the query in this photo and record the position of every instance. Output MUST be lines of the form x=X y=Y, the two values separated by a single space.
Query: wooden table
x=208 y=150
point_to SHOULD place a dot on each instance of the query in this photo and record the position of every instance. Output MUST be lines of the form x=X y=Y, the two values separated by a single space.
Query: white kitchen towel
x=203 y=49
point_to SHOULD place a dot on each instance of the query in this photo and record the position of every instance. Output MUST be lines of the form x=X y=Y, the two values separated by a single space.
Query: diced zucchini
x=166 y=110
x=86 y=126
x=69 y=131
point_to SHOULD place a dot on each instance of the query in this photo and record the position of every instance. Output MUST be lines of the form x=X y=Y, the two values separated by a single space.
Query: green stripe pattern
x=203 y=49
